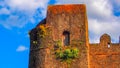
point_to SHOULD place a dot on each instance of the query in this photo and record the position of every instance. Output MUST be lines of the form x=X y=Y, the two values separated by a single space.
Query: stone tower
x=67 y=24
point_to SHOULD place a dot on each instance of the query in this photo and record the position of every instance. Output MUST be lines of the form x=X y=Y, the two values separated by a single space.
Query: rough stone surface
x=73 y=19
x=104 y=54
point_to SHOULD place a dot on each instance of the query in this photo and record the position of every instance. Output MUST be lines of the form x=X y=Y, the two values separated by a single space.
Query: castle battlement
x=104 y=54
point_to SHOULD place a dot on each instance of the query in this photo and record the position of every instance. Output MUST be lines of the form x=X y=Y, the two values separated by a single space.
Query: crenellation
x=101 y=55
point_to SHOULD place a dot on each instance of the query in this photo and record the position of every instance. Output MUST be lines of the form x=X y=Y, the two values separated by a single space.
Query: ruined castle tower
x=66 y=24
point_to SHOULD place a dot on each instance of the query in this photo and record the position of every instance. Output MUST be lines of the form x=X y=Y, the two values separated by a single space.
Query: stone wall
x=105 y=54
x=60 y=18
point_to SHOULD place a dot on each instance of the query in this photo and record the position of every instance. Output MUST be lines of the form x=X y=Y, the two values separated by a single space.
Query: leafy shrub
x=59 y=54
x=75 y=53
x=67 y=54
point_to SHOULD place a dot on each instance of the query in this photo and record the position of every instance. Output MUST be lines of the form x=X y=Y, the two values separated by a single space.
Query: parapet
x=68 y=8
x=104 y=54
x=105 y=41
x=105 y=38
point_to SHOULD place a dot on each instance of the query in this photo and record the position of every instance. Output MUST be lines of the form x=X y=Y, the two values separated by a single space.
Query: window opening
x=66 y=38
x=108 y=45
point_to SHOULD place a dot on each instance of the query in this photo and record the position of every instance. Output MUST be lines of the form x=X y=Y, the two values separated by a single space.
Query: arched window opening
x=108 y=45
x=66 y=38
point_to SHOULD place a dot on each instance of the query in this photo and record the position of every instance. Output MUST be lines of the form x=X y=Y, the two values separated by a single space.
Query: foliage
x=67 y=55
x=42 y=31
x=59 y=54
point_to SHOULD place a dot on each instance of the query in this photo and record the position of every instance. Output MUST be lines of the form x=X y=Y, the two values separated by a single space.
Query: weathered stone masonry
x=68 y=23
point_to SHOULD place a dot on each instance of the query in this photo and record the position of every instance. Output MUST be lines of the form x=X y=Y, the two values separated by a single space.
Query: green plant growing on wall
x=67 y=55
x=59 y=54
x=42 y=31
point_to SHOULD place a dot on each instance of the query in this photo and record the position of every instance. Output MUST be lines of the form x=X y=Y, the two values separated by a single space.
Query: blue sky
x=18 y=17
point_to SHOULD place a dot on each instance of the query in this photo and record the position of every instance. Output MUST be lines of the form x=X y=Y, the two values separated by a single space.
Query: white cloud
x=4 y=11
x=21 y=48
x=22 y=12
x=99 y=9
x=101 y=18
x=14 y=21
x=99 y=28
x=27 y=5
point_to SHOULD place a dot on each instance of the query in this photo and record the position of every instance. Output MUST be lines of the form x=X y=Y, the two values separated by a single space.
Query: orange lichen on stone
x=66 y=8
